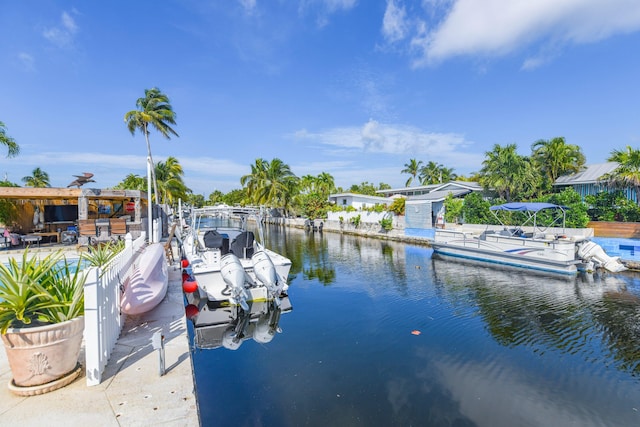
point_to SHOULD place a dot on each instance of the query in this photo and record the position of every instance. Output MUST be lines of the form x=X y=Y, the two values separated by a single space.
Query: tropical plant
x=35 y=292
x=100 y=255
x=37 y=179
x=476 y=209
x=13 y=149
x=612 y=206
x=154 y=110
x=511 y=175
x=452 y=208
x=627 y=174
x=386 y=223
x=169 y=180
x=398 y=206
x=132 y=182
x=355 y=220
x=270 y=183
x=555 y=158
x=435 y=173
x=413 y=169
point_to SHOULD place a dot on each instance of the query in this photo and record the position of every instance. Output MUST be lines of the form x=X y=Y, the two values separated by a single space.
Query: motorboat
x=229 y=327
x=227 y=265
x=528 y=245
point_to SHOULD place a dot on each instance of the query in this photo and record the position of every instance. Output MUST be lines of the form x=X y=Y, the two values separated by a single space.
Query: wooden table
x=48 y=234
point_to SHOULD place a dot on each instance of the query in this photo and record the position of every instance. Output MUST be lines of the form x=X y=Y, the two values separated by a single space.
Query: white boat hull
x=554 y=256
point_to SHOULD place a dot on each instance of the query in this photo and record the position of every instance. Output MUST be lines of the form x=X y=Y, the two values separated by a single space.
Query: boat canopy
x=526 y=207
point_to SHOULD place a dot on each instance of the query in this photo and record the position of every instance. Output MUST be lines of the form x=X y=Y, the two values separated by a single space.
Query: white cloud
x=376 y=137
x=450 y=149
x=63 y=34
x=492 y=28
x=394 y=25
x=249 y=6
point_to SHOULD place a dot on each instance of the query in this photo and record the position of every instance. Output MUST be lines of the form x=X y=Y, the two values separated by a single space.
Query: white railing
x=103 y=320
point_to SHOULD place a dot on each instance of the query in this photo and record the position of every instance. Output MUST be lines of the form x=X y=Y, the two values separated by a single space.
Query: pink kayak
x=147 y=284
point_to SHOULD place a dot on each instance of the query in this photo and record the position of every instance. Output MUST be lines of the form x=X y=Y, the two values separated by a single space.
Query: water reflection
x=573 y=315
x=495 y=348
x=229 y=327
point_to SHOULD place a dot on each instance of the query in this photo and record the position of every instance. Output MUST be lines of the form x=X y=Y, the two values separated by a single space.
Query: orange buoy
x=191 y=311
x=189 y=286
x=415 y=332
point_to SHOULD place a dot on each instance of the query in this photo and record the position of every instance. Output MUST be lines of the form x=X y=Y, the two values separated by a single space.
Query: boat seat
x=242 y=245
x=214 y=240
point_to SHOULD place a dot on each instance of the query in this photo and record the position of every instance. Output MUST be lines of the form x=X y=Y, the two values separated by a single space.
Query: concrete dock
x=132 y=392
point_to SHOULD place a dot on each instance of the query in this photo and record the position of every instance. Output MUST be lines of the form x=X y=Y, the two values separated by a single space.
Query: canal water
x=381 y=334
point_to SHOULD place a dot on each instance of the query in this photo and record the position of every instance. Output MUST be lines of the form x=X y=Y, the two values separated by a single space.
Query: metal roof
x=438 y=196
x=590 y=175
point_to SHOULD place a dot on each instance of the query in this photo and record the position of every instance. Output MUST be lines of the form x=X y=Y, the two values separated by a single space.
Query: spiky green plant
x=101 y=255
x=34 y=291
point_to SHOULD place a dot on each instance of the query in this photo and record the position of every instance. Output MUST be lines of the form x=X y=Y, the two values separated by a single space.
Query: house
x=358 y=201
x=51 y=211
x=588 y=181
x=421 y=212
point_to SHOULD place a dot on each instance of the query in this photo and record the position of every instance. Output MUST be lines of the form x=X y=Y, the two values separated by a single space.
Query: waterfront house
x=589 y=181
x=358 y=201
x=48 y=212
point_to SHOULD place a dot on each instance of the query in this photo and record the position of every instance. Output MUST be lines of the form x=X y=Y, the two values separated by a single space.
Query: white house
x=358 y=201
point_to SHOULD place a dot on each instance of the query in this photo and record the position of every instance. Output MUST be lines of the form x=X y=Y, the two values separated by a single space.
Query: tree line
x=507 y=174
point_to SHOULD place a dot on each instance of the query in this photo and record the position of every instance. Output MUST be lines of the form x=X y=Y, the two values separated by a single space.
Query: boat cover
x=523 y=207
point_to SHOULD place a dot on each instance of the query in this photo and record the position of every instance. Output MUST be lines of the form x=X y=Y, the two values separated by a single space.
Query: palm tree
x=555 y=158
x=12 y=147
x=627 y=174
x=156 y=111
x=435 y=173
x=270 y=183
x=169 y=176
x=412 y=168
x=511 y=175
x=37 y=179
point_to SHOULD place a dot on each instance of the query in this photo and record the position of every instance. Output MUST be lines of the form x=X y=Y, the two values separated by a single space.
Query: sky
x=355 y=88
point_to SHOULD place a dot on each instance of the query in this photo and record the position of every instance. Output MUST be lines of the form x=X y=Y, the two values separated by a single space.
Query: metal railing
x=103 y=319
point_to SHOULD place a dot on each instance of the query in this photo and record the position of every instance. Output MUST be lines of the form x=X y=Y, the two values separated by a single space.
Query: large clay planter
x=39 y=357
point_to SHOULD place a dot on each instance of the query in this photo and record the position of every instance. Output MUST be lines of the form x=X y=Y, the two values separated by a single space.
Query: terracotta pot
x=43 y=354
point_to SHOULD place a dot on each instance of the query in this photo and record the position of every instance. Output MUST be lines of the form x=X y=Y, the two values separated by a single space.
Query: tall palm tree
x=435 y=173
x=627 y=174
x=12 y=147
x=555 y=158
x=154 y=110
x=37 y=179
x=413 y=169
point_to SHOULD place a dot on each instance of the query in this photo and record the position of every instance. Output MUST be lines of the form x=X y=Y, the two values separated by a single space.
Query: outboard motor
x=590 y=251
x=265 y=271
x=235 y=277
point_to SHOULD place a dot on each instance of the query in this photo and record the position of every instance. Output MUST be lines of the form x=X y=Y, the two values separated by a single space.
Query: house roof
x=52 y=193
x=376 y=199
x=438 y=196
x=590 y=175
x=433 y=187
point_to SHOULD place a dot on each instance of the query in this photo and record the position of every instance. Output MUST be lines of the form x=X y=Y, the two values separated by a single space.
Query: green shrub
x=386 y=223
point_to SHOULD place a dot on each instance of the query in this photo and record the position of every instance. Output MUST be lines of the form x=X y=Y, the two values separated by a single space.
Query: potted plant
x=41 y=321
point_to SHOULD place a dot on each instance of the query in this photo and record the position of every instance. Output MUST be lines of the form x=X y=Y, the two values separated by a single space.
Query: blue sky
x=351 y=87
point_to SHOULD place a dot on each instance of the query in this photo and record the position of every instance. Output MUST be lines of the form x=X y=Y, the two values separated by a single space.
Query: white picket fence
x=103 y=320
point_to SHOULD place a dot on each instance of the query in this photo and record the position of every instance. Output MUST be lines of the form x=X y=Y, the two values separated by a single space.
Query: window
x=344 y=202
